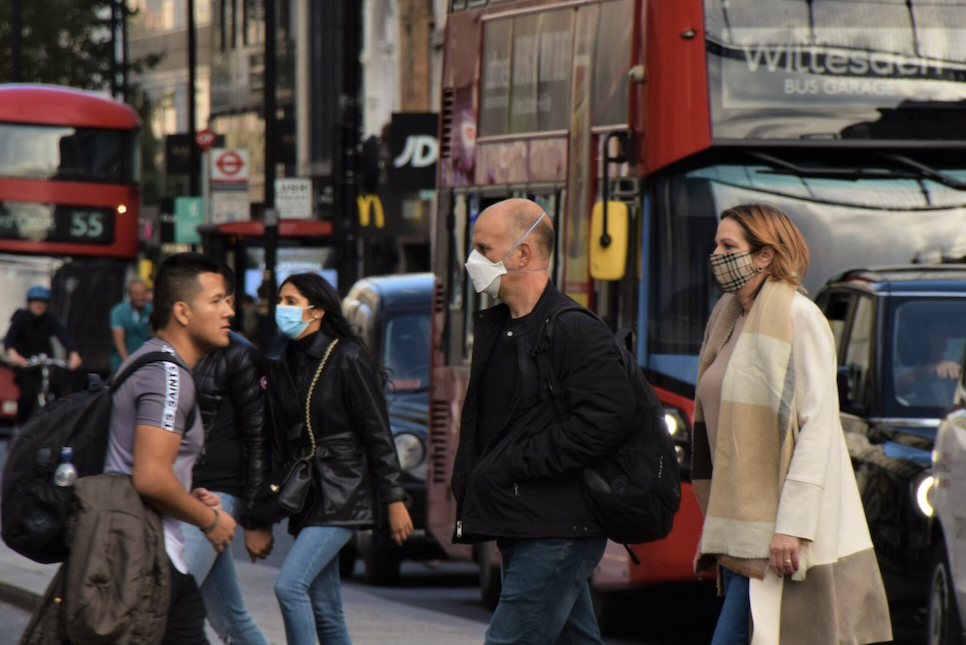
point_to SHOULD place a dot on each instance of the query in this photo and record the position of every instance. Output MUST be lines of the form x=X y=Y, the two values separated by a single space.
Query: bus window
x=67 y=153
x=611 y=62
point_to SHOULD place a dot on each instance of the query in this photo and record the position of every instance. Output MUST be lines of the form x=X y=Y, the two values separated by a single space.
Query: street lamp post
x=194 y=177
x=16 y=41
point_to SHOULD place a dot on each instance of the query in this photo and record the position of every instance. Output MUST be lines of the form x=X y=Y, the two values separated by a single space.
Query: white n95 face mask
x=485 y=273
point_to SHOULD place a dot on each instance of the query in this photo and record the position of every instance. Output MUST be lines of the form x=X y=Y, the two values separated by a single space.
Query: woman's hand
x=702 y=562
x=207 y=498
x=400 y=524
x=784 y=554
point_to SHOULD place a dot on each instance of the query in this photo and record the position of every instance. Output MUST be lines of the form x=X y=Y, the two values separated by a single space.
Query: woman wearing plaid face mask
x=770 y=467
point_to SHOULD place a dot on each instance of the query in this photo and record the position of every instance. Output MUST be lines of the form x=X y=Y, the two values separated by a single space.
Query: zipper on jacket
x=516 y=489
x=459 y=529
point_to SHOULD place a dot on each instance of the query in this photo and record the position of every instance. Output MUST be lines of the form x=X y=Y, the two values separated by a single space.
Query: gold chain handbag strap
x=308 y=399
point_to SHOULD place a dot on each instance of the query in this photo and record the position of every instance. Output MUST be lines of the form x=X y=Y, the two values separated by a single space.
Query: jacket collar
x=500 y=313
x=320 y=344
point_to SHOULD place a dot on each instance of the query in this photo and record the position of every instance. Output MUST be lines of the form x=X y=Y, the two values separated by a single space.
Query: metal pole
x=347 y=143
x=266 y=328
x=16 y=41
x=124 y=52
x=113 y=70
x=194 y=177
x=271 y=122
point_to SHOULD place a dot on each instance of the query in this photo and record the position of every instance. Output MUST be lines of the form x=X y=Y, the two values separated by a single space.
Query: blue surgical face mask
x=289 y=320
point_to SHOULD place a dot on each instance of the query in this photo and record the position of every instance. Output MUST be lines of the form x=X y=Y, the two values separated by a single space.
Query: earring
x=760 y=269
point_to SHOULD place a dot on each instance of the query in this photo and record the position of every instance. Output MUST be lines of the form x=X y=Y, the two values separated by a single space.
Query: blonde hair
x=765 y=225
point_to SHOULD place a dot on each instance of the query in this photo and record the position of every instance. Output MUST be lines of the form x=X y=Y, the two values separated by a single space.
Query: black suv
x=394 y=316
x=900 y=334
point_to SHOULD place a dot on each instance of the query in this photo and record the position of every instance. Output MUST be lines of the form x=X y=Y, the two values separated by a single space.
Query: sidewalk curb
x=26 y=600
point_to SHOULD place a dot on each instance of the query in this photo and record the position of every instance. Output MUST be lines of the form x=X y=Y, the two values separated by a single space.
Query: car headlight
x=922 y=490
x=677 y=427
x=410 y=450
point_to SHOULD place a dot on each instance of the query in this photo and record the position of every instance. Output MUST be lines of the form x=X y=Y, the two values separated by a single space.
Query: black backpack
x=635 y=492
x=33 y=510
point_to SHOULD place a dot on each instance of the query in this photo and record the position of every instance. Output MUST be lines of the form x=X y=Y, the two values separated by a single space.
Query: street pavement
x=434 y=603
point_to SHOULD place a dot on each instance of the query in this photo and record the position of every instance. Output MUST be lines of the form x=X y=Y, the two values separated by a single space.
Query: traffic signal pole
x=270 y=215
x=348 y=130
x=194 y=177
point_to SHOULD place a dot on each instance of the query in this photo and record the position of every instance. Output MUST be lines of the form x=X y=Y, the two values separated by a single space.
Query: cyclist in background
x=29 y=335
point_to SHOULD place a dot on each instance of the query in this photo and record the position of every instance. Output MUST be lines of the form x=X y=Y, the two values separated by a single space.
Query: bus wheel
x=491 y=582
x=603 y=609
x=382 y=558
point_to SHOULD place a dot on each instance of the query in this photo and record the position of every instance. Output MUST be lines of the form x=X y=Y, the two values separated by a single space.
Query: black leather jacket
x=356 y=465
x=526 y=482
x=232 y=405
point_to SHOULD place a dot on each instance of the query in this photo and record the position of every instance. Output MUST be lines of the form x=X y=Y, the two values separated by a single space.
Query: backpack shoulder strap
x=541 y=352
x=146 y=359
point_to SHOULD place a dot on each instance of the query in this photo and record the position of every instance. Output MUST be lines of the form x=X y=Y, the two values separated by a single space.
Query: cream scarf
x=756 y=433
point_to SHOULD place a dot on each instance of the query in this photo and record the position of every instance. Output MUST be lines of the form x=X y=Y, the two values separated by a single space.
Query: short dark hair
x=177 y=281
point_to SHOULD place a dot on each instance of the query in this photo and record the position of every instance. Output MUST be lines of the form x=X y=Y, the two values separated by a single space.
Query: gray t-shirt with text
x=161 y=395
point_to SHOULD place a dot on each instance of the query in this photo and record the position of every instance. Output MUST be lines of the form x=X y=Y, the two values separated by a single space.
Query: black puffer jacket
x=356 y=466
x=232 y=405
x=526 y=482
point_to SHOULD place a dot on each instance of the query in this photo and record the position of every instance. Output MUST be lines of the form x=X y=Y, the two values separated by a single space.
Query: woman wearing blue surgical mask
x=357 y=480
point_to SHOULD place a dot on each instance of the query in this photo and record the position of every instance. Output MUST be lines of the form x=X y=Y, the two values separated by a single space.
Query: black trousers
x=29 y=383
x=186 y=616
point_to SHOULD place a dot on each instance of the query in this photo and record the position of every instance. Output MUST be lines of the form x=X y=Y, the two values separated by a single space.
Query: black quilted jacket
x=232 y=405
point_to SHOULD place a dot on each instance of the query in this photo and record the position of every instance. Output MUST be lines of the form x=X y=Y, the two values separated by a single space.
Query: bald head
x=515 y=217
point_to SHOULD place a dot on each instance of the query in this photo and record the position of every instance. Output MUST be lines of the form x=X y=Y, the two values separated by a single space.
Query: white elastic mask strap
x=519 y=242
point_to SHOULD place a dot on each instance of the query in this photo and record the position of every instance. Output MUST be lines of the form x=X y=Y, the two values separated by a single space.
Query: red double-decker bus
x=69 y=203
x=848 y=115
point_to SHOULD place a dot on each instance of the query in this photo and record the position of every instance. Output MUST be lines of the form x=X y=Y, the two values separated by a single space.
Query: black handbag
x=284 y=491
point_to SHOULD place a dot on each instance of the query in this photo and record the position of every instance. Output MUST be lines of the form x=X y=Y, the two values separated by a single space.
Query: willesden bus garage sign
x=758 y=72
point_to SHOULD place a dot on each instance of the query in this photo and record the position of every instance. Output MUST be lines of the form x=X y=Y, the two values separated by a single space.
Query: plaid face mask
x=732 y=270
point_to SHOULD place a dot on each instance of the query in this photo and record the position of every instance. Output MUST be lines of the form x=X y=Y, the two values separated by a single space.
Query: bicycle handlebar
x=42 y=360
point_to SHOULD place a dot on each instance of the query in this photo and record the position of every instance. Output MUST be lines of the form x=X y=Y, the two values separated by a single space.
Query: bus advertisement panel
x=846 y=115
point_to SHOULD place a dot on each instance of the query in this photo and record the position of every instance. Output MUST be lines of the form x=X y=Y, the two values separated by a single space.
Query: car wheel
x=491 y=581
x=382 y=559
x=347 y=559
x=943 y=626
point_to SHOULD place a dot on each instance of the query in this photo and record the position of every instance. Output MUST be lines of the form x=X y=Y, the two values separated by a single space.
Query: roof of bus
x=56 y=105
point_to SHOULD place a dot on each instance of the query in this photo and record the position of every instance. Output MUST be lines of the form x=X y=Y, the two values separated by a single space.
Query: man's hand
x=259 y=543
x=16 y=358
x=400 y=524
x=74 y=361
x=222 y=532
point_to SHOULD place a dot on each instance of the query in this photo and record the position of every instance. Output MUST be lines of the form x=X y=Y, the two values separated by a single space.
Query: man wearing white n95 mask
x=518 y=469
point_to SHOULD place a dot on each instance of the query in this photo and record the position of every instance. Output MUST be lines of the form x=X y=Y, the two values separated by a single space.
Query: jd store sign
x=414 y=150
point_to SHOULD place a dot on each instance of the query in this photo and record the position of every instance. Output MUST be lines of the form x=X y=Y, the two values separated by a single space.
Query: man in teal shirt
x=129 y=322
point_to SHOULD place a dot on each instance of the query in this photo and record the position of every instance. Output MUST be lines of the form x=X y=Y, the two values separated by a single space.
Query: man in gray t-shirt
x=160 y=395
x=149 y=437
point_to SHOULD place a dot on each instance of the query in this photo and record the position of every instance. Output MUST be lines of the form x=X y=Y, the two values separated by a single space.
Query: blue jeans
x=308 y=588
x=733 y=623
x=218 y=581
x=545 y=598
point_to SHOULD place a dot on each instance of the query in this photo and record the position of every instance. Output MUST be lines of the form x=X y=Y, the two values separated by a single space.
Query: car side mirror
x=843 y=379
